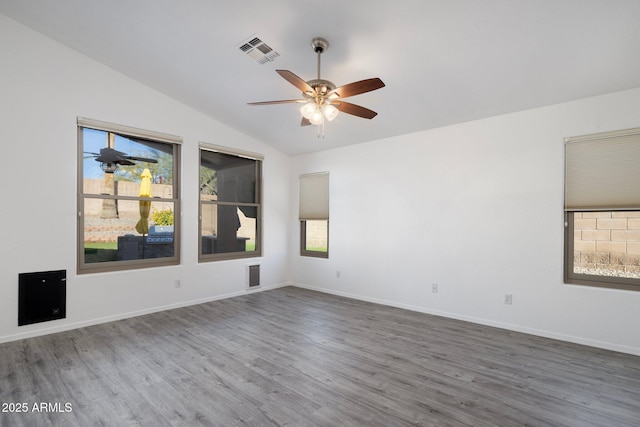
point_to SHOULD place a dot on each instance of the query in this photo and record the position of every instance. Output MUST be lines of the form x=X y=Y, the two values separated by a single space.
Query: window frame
x=126 y=131
x=224 y=256
x=313 y=204
x=594 y=205
x=572 y=278
x=303 y=241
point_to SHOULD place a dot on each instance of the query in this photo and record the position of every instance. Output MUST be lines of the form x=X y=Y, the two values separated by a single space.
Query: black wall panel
x=42 y=296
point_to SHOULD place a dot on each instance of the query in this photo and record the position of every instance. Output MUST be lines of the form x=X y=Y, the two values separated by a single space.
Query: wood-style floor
x=300 y=358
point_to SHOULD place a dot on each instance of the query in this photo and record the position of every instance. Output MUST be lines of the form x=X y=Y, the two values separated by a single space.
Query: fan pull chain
x=321 y=125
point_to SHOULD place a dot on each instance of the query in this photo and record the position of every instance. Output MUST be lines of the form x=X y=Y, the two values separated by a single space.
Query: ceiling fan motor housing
x=321 y=86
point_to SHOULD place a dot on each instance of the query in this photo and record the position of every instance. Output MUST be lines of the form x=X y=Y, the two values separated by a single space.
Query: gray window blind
x=602 y=171
x=314 y=196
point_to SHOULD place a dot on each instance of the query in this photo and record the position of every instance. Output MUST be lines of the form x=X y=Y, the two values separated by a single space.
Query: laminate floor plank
x=294 y=357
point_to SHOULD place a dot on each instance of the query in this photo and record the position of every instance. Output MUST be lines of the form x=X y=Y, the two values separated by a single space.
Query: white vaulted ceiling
x=443 y=61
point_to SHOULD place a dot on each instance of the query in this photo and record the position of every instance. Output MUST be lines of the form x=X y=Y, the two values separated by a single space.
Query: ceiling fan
x=321 y=98
x=110 y=159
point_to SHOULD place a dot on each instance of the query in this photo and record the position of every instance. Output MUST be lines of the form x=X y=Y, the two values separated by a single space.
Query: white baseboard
x=508 y=326
x=76 y=325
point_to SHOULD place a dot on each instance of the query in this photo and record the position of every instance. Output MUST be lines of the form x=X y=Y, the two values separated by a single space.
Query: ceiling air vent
x=258 y=50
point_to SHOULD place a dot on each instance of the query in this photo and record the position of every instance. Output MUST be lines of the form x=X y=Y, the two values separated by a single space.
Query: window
x=127 y=196
x=602 y=209
x=230 y=208
x=314 y=214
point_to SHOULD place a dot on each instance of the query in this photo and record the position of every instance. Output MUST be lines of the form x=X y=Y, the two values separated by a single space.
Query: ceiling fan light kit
x=322 y=100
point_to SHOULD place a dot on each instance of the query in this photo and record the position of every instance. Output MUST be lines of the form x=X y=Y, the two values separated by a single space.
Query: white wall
x=477 y=209
x=396 y=208
x=44 y=86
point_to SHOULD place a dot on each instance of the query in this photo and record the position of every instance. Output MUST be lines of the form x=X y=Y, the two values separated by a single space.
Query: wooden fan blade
x=283 y=101
x=357 y=88
x=305 y=122
x=295 y=80
x=355 y=110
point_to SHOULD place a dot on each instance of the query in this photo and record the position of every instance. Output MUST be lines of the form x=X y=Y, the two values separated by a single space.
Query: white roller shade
x=128 y=130
x=602 y=171
x=314 y=196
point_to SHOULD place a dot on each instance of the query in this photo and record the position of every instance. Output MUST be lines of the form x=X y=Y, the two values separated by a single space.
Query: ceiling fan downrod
x=319 y=45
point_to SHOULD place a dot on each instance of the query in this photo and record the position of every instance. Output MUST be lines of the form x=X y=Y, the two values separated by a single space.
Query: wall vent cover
x=253 y=276
x=258 y=50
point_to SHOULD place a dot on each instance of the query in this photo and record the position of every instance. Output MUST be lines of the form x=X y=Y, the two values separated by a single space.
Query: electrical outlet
x=434 y=288
x=178 y=283
x=508 y=299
